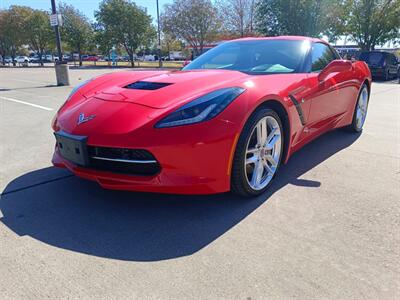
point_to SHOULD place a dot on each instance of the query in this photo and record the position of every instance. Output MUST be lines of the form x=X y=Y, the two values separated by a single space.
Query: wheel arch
x=282 y=112
x=279 y=108
x=368 y=84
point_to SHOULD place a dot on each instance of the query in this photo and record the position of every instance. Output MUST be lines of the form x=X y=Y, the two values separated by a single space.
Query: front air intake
x=147 y=85
x=121 y=160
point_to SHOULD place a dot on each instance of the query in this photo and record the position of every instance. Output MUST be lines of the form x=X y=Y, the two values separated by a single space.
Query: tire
x=265 y=125
x=356 y=125
x=387 y=75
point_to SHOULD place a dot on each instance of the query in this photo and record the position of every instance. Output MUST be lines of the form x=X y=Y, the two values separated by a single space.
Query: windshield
x=373 y=58
x=254 y=57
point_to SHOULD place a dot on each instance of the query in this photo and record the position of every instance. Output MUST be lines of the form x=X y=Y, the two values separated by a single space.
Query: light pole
x=159 y=37
x=57 y=31
x=60 y=66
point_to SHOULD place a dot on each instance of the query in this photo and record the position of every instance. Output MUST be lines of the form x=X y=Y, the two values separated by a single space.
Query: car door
x=332 y=97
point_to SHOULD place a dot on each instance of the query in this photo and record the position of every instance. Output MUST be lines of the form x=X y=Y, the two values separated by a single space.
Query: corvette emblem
x=83 y=119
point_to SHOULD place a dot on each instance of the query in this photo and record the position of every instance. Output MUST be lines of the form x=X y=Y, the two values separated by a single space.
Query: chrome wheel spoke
x=272 y=142
x=252 y=160
x=262 y=132
x=252 y=150
x=271 y=160
x=257 y=173
x=270 y=170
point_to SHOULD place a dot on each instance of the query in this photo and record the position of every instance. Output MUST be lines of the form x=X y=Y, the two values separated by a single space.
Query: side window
x=321 y=56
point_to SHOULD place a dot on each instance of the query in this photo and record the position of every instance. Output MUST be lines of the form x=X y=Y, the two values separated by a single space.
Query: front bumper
x=193 y=159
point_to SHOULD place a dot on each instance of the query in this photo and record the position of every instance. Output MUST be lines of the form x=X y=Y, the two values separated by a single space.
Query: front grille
x=122 y=160
x=120 y=153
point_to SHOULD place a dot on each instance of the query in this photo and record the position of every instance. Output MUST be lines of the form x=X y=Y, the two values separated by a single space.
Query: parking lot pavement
x=328 y=227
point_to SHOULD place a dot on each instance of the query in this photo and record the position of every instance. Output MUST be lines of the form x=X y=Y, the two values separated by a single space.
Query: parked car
x=176 y=55
x=67 y=57
x=383 y=65
x=47 y=58
x=90 y=58
x=22 y=59
x=227 y=121
x=7 y=60
x=149 y=57
x=34 y=59
x=128 y=58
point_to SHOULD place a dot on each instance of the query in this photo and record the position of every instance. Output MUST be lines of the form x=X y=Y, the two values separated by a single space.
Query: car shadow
x=78 y=215
x=29 y=87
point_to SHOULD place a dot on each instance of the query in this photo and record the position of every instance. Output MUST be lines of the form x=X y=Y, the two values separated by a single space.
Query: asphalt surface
x=327 y=229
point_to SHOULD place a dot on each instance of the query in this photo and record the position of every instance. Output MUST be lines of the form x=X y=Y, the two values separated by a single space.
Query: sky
x=85 y=6
x=88 y=7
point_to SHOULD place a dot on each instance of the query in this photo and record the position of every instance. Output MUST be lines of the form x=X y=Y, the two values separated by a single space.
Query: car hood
x=115 y=110
x=160 y=89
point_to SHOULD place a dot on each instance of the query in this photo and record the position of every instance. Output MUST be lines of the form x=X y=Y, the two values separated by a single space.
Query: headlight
x=201 y=109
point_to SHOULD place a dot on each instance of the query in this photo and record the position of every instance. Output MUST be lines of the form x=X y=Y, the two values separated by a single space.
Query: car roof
x=377 y=51
x=283 y=37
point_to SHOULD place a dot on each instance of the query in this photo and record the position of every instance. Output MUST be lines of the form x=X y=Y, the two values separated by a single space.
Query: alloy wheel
x=263 y=152
x=362 y=106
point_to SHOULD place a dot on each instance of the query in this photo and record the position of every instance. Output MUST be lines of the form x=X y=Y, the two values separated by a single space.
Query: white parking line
x=26 y=103
x=29 y=81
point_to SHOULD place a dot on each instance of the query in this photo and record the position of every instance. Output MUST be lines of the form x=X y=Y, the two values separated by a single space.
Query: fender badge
x=83 y=119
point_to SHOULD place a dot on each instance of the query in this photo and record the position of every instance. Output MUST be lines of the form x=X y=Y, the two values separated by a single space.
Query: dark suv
x=382 y=64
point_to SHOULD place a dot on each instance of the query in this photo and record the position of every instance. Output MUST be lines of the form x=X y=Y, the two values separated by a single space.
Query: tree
x=4 y=45
x=12 y=32
x=103 y=39
x=193 y=21
x=169 y=44
x=39 y=33
x=335 y=19
x=236 y=15
x=291 y=17
x=76 y=31
x=126 y=24
x=372 y=22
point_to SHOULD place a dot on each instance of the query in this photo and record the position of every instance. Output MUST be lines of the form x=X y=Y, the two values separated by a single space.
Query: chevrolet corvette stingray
x=225 y=122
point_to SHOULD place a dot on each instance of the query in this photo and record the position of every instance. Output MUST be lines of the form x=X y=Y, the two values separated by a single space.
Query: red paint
x=196 y=159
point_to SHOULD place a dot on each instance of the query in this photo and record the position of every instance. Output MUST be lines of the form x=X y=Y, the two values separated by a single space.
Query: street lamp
x=159 y=37
x=60 y=66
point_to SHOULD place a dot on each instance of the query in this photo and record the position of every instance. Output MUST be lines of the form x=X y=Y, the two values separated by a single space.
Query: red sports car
x=224 y=122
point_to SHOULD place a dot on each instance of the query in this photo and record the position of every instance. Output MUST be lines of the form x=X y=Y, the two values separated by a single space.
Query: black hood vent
x=146 y=85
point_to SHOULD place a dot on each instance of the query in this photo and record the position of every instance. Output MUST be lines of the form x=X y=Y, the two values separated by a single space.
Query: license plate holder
x=72 y=147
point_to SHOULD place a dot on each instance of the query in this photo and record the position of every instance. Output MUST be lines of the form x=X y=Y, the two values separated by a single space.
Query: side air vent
x=146 y=85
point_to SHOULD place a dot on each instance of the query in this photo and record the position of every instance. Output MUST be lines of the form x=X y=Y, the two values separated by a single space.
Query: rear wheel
x=258 y=154
x=387 y=75
x=360 y=112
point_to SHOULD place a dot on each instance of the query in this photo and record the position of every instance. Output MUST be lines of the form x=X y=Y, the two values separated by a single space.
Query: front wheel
x=258 y=154
x=360 y=112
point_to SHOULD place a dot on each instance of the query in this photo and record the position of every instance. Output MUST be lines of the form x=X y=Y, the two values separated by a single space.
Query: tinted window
x=373 y=58
x=321 y=56
x=254 y=57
